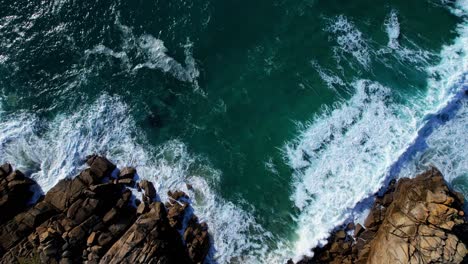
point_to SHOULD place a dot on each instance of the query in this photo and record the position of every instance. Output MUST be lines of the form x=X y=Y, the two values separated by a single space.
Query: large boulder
x=417 y=220
x=418 y=224
x=149 y=240
x=100 y=166
x=197 y=240
x=65 y=192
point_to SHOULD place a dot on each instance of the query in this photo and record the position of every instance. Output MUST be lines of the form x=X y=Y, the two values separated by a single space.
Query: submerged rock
x=86 y=220
x=417 y=220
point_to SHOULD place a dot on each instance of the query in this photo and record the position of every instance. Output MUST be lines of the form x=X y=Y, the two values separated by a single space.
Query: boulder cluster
x=417 y=220
x=95 y=218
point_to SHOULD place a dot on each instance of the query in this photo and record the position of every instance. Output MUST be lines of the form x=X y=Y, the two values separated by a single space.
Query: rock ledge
x=94 y=218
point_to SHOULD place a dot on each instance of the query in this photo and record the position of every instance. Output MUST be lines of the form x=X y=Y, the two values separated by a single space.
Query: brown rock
x=423 y=199
x=83 y=217
x=109 y=216
x=88 y=178
x=100 y=166
x=127 y=181
x=127 y=173
x=5 y=170
x=64 y=193
x=415 y=221
x=104 y=239
x=197 y=239
x=358 y=230
x=177 y=195
x=152 y=226
x=142 y=208
x=148 y=188
x=15 y=193
x=175 y=214
x=341 y=234
x=91 y=239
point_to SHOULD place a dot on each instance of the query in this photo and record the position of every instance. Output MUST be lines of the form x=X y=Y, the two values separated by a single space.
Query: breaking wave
x=53 y=150
x=345 y=154
x=150 y=53
x=350 y=41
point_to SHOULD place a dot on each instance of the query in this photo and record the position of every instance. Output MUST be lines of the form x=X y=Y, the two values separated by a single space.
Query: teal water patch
x=209 y=93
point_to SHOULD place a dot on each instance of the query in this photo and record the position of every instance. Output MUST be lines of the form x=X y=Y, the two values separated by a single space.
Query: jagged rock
x=197 y=239
x=100 y=166
x=149 y=190
x=148 y=239
x=142 y=208
x=128 y=182
x=177 y=195
x=5 y=170
x=420 y=203
x=416 y=221
x=88 y=177
x=104 y=239
x=84 y=220
x=358 y=229
x=15 y=192
x=176 y=212
x=127 y=173
x=91 y=239
x=189 y=186
x=340 y=234
x=112 y=214
x=64 y=193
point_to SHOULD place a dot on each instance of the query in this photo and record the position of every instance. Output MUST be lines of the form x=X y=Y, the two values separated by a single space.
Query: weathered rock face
x=417 y=221
x=93 y=219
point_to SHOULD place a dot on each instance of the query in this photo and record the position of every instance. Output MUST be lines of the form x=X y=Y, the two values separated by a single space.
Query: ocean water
x=285 y=116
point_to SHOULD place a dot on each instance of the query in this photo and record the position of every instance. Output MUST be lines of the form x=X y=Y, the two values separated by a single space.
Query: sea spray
x=339 y=157
x=392 y=26
x=350 y=41
x=344 y=155
x=53 y=150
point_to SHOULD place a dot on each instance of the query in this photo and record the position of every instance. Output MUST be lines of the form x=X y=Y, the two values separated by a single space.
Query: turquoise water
x=282 y=114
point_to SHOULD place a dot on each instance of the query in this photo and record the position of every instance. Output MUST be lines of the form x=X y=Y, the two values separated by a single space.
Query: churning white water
x=345 y=154
x=57 y=150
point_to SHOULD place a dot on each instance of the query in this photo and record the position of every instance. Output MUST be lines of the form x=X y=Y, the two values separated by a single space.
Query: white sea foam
x=446 y=149
x=350 y=41
x=392 y=26
x=150 y=53
x=329 y=77
x=345 y=154
x=157 y=58
x=340 y=157
x=101 y=49
x=410 y=53
x=55 y=149
x=3 y=59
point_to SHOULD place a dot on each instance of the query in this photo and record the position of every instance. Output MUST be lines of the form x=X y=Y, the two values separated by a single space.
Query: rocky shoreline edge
x=95 y=218
x=418 y=220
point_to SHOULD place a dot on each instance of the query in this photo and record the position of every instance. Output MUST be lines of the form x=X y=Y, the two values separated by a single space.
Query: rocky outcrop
x=417 y=220
x=15 y=192
x=95 y=218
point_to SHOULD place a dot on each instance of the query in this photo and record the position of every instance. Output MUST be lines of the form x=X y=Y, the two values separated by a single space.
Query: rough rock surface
x=417 y=220
x=94 y=218
x=15 y=192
